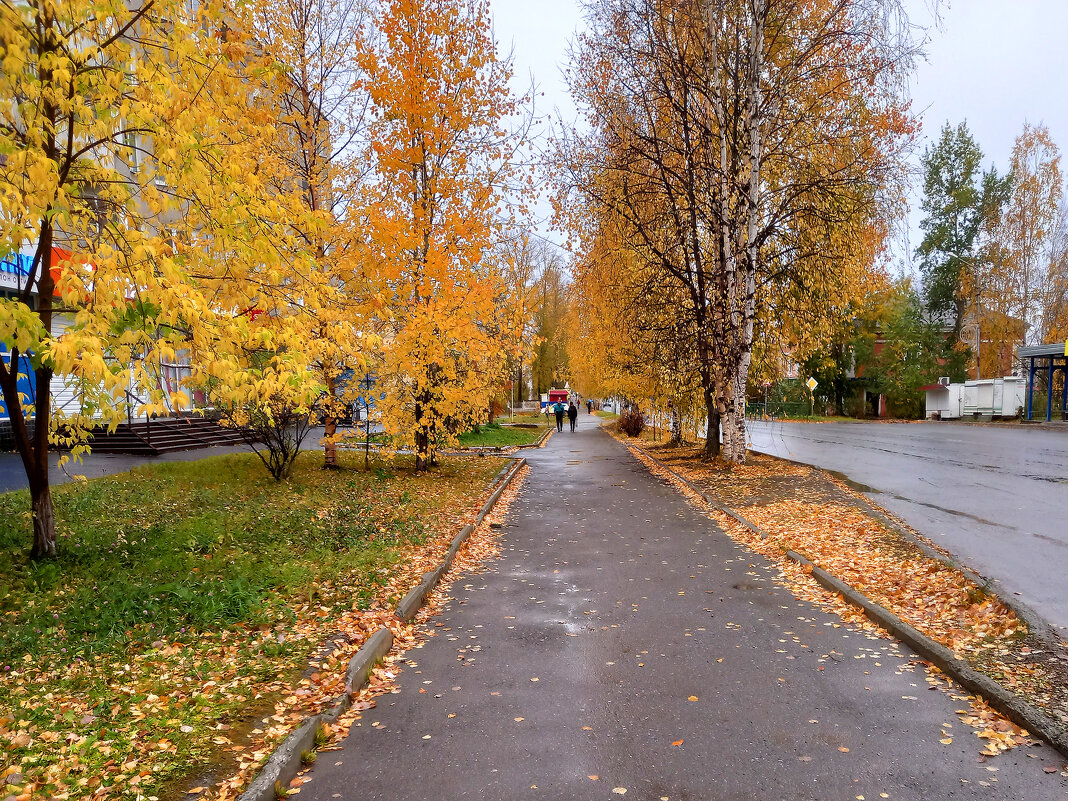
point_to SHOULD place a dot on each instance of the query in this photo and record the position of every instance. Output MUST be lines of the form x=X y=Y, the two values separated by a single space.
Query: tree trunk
x=329 y=444
x=676 y=427
x=422 y=441
x=44 y=525
x=330 y=424
x=742 y=293
x=711 y=450
x=736 y=450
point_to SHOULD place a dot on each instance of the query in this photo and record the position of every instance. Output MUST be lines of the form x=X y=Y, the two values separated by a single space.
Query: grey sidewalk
x=577 y=653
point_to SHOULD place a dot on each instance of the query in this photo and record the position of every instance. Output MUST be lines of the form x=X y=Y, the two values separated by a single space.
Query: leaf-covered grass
x=537 y=418
x=495 y=435
x=187 y=594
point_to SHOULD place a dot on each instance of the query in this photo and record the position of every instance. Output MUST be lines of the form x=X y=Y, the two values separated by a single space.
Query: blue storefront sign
x=13 y=271
x=27 y=380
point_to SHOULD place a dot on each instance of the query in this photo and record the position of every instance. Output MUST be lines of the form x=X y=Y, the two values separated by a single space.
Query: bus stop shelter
x=1047 y=378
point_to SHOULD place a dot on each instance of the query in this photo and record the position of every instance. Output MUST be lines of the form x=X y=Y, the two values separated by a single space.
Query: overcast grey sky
x=995 y=63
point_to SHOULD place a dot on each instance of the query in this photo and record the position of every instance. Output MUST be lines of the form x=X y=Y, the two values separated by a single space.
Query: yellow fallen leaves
x=1000 y=734
x=815 y=516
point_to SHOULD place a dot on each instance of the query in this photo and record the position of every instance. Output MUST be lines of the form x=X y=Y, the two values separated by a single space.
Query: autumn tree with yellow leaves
x=313 y=49
x=442 y=157
x=747 y=152
x=132 y=169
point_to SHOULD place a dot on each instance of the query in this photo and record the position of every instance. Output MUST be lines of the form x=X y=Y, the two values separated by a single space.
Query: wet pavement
x=995 y=497
x=623 y=645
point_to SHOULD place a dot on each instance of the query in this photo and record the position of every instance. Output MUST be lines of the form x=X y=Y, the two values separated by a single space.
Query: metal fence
x=1039 y=399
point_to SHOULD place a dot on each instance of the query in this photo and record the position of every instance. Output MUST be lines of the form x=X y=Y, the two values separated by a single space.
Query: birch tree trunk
x=742 y=296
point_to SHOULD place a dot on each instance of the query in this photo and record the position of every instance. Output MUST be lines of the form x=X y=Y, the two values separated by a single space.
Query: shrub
x=632 y=421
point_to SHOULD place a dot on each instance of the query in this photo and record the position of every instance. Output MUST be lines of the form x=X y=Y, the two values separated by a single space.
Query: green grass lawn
x=186 y=594
x=531 y=418
x=495 y=435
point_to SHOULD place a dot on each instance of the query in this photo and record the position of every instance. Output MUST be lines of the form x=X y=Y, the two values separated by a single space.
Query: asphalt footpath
x=624 y=646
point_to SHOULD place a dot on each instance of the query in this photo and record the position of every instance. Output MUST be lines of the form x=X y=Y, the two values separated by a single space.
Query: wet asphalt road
x=577 y=653
x=996 y=498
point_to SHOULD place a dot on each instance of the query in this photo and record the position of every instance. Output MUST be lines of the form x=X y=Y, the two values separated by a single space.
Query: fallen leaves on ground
x=479 y=549
x=98 y=728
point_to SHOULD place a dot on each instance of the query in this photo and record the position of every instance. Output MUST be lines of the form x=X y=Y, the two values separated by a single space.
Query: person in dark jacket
x=559 y=409
x=572 y=414
x=589 y=406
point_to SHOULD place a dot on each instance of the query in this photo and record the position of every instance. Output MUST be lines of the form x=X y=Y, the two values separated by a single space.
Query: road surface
x=995 y=497
x=624 y=646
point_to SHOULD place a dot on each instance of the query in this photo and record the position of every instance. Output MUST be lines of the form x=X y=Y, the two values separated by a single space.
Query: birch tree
x=1028 y=225
x=744 y=145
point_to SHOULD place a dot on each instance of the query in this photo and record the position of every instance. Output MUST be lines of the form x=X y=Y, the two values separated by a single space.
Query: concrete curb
x=1007 y=703
x=500 y=450
x=541 y=440
x=358 y=672
x=1003 y=700
x=481 y=450
x=285 y=763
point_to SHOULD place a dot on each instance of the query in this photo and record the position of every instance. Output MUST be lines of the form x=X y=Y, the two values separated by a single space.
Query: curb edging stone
x=1003 y=700
x=285 y=762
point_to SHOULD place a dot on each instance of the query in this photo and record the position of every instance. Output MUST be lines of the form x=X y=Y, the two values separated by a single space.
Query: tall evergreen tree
x=952 y=205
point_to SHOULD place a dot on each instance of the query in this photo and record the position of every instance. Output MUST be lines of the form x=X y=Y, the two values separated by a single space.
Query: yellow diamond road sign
x=812 y=383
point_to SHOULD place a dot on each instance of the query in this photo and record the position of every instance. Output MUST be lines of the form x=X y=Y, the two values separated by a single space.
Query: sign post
x=812 y=383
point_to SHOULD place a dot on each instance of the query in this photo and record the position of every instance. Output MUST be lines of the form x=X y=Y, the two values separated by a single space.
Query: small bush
x=632 y=422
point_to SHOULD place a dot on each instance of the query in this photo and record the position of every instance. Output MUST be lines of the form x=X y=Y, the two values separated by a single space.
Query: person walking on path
x=559 y=409
x=589 y=406
x=572 y=414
